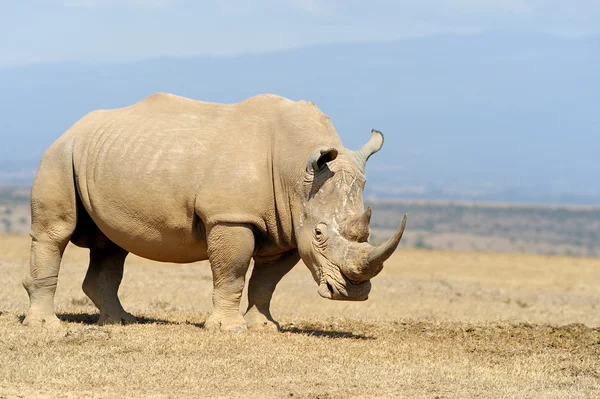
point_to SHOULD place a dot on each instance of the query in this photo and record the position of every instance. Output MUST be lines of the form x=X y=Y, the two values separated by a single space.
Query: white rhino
x=178 y=180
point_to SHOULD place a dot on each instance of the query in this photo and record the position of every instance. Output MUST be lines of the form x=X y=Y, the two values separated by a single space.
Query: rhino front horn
x=382 y=252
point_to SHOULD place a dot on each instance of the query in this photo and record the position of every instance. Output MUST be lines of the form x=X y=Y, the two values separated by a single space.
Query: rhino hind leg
x=53 y=220
x=40 y=283
x=265 y=276
x=102 y=281
x=230 y=248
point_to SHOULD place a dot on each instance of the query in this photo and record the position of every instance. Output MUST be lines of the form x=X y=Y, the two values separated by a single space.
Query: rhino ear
x=320 y=157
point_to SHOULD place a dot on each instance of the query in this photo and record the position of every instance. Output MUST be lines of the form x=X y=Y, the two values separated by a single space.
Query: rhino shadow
x=326 y=333
x=92 y=318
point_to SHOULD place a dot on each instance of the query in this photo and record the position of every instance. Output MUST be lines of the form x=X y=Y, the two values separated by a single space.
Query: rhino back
x=152 y=174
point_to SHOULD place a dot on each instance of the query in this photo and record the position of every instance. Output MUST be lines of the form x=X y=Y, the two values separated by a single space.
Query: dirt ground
x=437 y=325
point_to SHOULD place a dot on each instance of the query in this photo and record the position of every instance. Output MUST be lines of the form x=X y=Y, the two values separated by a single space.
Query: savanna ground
x=437 y=325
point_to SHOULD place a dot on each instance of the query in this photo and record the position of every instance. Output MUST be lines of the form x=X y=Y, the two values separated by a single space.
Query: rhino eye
x=320 y=230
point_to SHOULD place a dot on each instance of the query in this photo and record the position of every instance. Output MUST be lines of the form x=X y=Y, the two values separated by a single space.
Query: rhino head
x=333 y=229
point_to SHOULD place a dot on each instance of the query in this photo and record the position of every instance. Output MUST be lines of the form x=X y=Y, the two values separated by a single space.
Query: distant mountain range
x=495 y=116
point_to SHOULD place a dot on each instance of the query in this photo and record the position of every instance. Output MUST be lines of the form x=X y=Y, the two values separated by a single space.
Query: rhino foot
x=116 y=318
x=266 y=325
x=50 y=322
x=217 y=322
x=259 y=322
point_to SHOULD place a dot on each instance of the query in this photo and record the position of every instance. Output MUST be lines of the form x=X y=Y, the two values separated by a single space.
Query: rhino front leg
x=265 y=276
x=230 y=248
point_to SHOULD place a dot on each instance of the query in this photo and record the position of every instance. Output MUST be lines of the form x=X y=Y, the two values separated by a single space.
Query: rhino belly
x=152 y=224
x=160 y=242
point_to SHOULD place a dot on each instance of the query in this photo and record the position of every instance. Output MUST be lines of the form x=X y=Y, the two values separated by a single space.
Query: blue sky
x=91 y=31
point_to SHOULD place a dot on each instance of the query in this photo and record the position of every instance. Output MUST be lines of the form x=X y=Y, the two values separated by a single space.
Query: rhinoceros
x=174 y=179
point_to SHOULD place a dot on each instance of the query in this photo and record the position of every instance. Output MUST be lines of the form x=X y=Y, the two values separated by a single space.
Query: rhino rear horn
x=357 y=228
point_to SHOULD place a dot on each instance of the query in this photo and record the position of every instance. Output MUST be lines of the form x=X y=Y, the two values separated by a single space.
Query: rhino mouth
x=343 y=289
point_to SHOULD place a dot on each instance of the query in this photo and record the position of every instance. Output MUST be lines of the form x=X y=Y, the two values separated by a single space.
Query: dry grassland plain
x=437 y=325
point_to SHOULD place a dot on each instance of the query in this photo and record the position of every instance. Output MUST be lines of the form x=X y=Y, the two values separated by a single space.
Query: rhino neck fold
x=281 y=227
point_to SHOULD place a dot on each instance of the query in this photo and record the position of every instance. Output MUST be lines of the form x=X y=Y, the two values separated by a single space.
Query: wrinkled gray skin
x=178 y=180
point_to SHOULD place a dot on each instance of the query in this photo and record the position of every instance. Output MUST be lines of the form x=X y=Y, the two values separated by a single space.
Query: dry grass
x=438 y=324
